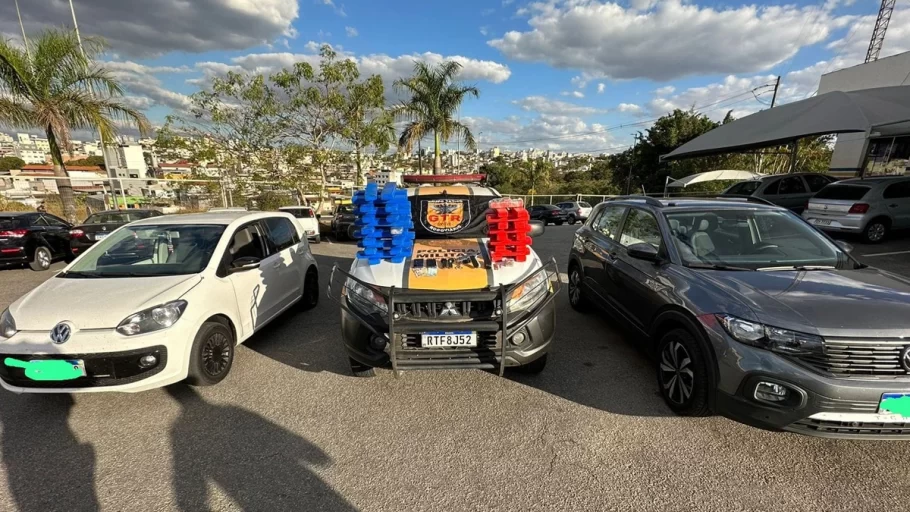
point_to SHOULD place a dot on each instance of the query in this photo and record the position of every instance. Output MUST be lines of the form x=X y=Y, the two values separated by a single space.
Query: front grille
x=851 y=428
x=104 y=369
x=844 y=357
x=447 y=310
x=836 y=405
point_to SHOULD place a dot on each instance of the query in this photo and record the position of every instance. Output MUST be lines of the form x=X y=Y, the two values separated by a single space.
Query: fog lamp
x=771 y=392
x=147 y=361
x=518 y=339
x=378 y=342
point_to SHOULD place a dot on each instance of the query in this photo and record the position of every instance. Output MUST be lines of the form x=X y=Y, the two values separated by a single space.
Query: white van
x=307 y=219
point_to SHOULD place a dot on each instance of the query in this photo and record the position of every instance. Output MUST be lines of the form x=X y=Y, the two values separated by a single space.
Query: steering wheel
x=764 y=246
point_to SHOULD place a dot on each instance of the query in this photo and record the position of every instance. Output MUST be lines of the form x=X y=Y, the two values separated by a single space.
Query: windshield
x=345 y=209
x=842 y=192
x=752 y=239
x=115 y=217
x=144 y=251
x=746 y=188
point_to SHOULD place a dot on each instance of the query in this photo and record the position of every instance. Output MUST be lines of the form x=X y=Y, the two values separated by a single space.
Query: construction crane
x=881 y=26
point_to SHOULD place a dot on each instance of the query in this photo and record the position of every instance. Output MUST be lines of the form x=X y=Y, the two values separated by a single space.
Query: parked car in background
x=751 y=313
x=33 y=238
x=788 y=190
x=99 y=225
x=343 y=222
x=307 y=218
x=548 y=214
x=115 y=320
x=576 y=211
x=870 y=207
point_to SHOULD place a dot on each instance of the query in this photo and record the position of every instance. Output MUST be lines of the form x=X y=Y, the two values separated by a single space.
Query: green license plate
x=895 y=403
x=49 y=369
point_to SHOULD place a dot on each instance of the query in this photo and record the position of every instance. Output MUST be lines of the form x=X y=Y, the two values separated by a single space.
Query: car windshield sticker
x=447 y=265
x=444 y=215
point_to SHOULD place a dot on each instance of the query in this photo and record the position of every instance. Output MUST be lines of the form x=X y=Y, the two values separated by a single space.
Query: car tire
x=317 y=239
x=535 y=366
x=350 y=232
x=212 y=355
x=310 y=296
x=876 y=230
x=572 y=220
x=41 y=259
x=361 y=370
x=577 y=298
x=681 y=366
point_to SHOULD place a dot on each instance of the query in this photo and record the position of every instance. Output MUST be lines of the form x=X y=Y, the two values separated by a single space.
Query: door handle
x=277 y=264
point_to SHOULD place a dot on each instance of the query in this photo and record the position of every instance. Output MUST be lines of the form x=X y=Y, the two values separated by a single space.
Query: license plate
x=49 y=369
x=895 y=403
x=449 y=339
x=823 y=222
x=100 y=236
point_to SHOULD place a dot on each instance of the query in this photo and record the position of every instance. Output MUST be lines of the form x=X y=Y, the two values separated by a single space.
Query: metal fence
x=592 y=199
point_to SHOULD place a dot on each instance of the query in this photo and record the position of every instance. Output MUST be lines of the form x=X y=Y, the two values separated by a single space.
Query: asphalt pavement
x=291 y=429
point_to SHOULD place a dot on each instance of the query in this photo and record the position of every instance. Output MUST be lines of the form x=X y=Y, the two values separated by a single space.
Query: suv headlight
x=7 y=325
x=365 y=298
x=530 y=292
x=152 y=319
x=771 y=338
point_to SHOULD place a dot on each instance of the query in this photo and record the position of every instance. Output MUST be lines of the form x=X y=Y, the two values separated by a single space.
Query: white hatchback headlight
x=7 y=324
x=152 y=319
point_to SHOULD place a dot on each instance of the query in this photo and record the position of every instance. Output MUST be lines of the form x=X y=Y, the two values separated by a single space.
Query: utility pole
x=28 y=52
x=635 y=137
x=761 y=155
x=419 y=157
x=76 y=26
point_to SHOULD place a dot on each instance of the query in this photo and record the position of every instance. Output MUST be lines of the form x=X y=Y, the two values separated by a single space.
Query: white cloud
x=853 y=45
x=574 y=94
x=611 y=40
x=144 y=89
x=484 y=30
x=663 y=91
x=601 y=87
x=554 y=132
x=351 y=31
x=543 y=105
x=339 y=9
x=143 y=28
x=629 y=108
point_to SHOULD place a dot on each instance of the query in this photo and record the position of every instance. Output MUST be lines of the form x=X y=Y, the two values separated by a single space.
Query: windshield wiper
x=798 y=267
x=714 y=266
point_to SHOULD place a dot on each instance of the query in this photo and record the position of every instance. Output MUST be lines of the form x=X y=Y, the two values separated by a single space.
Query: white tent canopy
x=724 y=175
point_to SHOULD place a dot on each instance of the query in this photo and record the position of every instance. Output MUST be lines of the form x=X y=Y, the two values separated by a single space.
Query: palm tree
x=55 y=87
x=434 y=102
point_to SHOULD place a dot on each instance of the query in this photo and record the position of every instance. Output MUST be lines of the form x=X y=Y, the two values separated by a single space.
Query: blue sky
x=556 y=74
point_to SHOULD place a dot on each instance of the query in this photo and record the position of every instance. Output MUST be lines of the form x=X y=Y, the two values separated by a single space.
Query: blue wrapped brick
x=384 y=228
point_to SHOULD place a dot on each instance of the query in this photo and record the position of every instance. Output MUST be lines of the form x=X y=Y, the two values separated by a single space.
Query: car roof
x=127 y=210
x=222 y=218
x=300 y=207
x=877 y=180
x=16 y=214
x=692 y=203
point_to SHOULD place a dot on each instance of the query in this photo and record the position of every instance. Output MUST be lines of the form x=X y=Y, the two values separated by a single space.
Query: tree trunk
x=64 y=187
x=359 y=180
x=437 y=161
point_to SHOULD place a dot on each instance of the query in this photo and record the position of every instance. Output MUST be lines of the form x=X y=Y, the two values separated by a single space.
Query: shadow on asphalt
x=308 y=340
x=270 y=470
x=55 y=474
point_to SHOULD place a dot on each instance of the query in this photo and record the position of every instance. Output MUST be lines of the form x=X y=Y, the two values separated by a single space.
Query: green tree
x=11 y=162
x=435 y=97
x=365 y=123
x=501 y=175
x=537 y=175
x=96 y=161
x=52 y=85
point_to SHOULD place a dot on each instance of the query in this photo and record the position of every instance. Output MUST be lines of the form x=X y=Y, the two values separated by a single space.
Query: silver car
x=871 y=207
x=787 y=190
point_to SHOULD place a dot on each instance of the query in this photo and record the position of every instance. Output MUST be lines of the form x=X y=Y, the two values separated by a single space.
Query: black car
x=343 y=222
x=99 y=225
x=36 y=239
x=752 y=313
x=548 y=213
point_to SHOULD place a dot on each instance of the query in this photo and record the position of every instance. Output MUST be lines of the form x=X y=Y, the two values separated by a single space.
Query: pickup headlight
x=152 y=319
x=365 y=298
x=530 y=293
x=7 y=325
x=771 y=338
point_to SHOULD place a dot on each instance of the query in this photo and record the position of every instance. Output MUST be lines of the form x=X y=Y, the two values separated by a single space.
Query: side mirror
x=642 y=251
x=537 y=228
x=318 y=216
x=846 y=247
x=243 y=264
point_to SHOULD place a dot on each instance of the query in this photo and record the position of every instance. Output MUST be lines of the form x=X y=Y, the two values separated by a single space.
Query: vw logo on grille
x=449 y=309
x=61 y=332
x=905 y=359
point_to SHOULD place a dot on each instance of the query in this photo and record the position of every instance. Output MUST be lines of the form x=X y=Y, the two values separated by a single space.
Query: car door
x=57 y=234
x=635 y=283
x=284 y=242
x=255 y=303
x=792 y=194
x=897 y=201
x=597 y=243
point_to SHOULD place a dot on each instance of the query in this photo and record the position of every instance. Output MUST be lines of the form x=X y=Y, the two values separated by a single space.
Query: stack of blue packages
x=383 y=226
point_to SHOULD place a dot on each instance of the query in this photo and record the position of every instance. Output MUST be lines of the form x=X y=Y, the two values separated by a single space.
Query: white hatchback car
x=307 y=219
x=158 y=301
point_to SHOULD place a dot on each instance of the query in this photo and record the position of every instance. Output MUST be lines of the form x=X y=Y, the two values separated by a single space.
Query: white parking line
x=563 y=278
x=884 y=254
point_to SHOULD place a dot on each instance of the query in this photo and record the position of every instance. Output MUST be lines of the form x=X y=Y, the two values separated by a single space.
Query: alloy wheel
x=216 y=354
x=676 y=373
x=876 y=232
x=44 y=258
x=574 y=287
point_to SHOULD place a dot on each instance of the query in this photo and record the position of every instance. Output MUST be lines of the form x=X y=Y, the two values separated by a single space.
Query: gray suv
x=871 y=207
x=752 y=313
x=788 y=190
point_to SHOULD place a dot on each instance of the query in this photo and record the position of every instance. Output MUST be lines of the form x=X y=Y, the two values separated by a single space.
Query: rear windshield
x=12 y=223
x=551 y=207
x=302 y=213
x=844 y=192
x=116 y=217
x=584 y=204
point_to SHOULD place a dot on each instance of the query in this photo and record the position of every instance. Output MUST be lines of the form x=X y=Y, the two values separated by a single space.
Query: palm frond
x=15 y=114
x=15 y=72
x=412 y=133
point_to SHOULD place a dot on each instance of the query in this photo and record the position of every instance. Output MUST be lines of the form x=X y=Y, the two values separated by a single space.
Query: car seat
x=701 y=241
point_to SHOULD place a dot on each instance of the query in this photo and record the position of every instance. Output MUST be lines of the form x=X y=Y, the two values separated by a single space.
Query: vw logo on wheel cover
x=905 y=359
x=61 y=332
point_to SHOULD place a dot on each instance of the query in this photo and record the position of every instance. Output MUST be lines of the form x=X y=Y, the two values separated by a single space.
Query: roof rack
x=648 y=200
x=748 y=199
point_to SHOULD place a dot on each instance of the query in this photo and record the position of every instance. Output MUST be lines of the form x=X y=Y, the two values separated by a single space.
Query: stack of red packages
x=508 y=223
